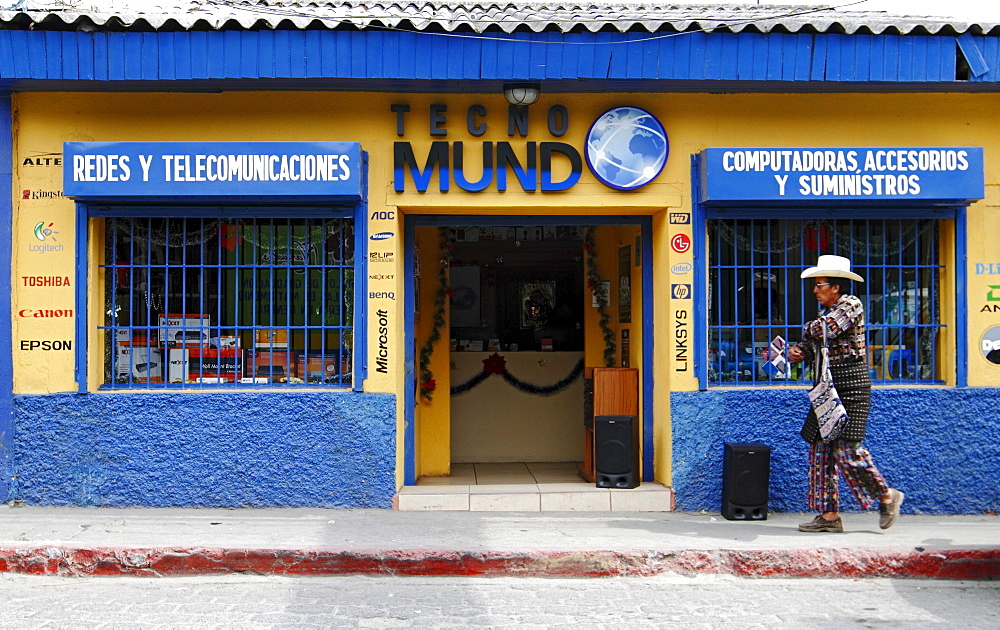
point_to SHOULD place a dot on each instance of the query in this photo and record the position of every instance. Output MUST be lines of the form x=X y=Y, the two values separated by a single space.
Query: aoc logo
x=626 y=148
x=381 y=236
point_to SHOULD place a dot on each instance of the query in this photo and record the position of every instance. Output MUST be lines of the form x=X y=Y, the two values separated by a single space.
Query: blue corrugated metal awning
x=450 y=47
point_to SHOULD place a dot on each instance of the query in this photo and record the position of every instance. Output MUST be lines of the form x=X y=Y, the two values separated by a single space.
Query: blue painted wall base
x=331 y=450
x=937 y=445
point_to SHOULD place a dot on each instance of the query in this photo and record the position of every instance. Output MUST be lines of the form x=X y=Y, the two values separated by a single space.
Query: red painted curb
x=958 y=564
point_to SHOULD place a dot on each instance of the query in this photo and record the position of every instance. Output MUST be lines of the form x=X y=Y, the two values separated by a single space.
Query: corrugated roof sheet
x=479 y=17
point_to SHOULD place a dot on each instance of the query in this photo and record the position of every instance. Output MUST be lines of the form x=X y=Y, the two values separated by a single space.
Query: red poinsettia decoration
x=230 y=236
x=494 y=364
x=429 y=385
x=817 y=239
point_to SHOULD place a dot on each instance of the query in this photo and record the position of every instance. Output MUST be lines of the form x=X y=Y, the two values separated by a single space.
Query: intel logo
x=381 y=236
x=681 y=268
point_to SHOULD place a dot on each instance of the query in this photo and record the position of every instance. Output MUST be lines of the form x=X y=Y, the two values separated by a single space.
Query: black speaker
x=746 y=477
x=616 y=451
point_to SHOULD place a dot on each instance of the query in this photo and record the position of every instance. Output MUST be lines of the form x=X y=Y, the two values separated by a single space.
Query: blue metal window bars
x=755 y=294
x=223 y=301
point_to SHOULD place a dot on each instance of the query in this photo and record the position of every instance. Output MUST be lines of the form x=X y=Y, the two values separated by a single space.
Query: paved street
x=418 y=602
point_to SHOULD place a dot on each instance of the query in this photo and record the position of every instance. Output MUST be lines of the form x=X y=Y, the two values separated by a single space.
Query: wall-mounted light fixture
x=521 y=93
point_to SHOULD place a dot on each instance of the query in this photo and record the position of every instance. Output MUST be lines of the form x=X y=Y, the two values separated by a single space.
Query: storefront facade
x=362 y=269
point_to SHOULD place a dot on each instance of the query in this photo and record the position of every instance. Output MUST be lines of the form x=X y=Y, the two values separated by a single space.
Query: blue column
x=6 y=347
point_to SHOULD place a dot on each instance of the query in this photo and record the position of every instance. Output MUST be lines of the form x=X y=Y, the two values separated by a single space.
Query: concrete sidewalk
x=164 y=542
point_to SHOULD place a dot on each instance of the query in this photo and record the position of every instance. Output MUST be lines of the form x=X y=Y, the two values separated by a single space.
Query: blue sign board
x=190 y=170
x=926 y=174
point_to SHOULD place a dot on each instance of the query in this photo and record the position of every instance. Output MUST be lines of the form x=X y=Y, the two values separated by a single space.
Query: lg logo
x=680 y=243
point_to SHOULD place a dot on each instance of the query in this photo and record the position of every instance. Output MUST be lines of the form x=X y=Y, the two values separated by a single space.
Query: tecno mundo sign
x=308 y=170
x=626 y=148
x=844 y=173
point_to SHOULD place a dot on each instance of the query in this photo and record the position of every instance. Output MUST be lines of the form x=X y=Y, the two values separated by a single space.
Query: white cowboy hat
x=832 y=267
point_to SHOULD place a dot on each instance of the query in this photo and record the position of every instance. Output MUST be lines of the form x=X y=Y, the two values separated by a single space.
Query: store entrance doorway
x=508 y=315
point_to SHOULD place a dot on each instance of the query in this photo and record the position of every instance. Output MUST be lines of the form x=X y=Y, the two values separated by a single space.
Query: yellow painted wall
x=43 y=121
x=432 y=417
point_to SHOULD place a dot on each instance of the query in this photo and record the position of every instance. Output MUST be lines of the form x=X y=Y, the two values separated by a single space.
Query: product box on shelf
x=267 y=338
x=185 y=329
x=204 y=365
x=273 y=365
x=141 y=358
x=319 y=368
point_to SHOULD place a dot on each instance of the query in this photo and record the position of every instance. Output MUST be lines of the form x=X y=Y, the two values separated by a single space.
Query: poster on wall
x=465 y=297
x=625 y=284
x=537 y=301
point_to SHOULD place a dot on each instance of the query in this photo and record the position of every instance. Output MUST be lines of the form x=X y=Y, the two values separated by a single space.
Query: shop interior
x=524 y=329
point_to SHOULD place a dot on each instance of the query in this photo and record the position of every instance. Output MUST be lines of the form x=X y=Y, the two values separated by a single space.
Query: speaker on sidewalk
x=746 y=477
x=616 y=451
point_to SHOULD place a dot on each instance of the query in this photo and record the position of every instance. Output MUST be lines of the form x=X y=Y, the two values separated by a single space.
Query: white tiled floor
x=528 y=487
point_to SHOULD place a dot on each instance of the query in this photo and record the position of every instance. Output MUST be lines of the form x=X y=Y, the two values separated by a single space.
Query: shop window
x=228 y=302
x=755 y=295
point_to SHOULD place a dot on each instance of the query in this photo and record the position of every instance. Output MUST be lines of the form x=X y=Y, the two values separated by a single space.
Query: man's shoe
x=889 y=512
x=820 y=524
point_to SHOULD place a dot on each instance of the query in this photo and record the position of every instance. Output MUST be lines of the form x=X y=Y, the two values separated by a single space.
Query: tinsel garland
x=528 y=388
x=594 y=282
x=427 y=382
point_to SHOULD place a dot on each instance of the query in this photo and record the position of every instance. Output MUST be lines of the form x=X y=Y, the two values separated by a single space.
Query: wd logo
x=680 y=218
x=680 y=291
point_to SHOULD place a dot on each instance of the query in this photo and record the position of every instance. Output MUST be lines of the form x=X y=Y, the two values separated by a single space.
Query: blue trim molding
x=6 y=336
x=266 y=449
x=932 y=443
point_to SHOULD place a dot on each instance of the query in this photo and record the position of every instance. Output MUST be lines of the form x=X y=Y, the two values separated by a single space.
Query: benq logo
x=681 y=268
x=381 y=236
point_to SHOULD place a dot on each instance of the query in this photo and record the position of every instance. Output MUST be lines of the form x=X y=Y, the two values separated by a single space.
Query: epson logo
x=381 y=236
x=681 y=268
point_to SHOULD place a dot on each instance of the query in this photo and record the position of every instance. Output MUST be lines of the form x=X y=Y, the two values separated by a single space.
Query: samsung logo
x=681 y=268
x=381 y=236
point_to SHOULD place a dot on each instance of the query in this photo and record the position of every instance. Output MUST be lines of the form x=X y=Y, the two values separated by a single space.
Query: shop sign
x=212 y=169
x=626 y=148
x=845 y=173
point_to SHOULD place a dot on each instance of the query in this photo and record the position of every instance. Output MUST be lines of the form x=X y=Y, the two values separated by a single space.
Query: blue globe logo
x=626 y=148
